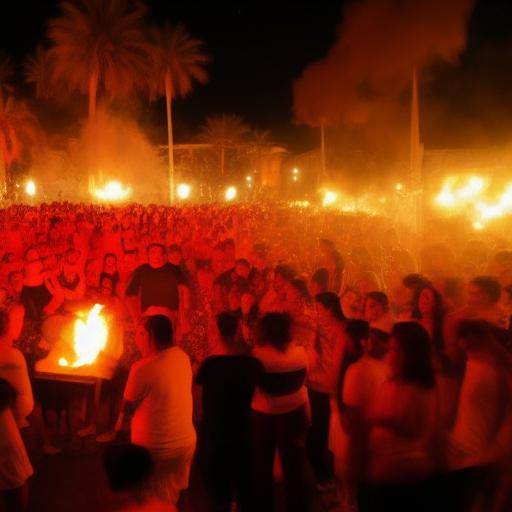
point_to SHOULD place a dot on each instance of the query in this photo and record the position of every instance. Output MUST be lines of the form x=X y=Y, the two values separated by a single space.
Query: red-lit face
x=142 y=341
x=373 y=310
x=477 y=298
x=156 y=257
x=351 y=304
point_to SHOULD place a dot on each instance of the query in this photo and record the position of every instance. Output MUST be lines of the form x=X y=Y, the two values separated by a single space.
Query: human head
x=409 y=286
x=275 y=330
x=110 y=261
x=127 y=466
x=351 y=303
x=175 y=254
x=107 y=287
x=427 y=302
x=377 y=344
x=376 y=304
x=227 y=325
x=242 y=268
x=328 y=308
x=410 y=355
x=155 y=332
x=483 y=292
x=283 y=274
x=156 y=255
x=297 y=291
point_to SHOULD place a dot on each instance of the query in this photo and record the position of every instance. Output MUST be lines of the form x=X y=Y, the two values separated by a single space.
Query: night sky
x=259 y=48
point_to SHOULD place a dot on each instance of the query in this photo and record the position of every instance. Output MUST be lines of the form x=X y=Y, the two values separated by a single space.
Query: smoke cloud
x=369 y=67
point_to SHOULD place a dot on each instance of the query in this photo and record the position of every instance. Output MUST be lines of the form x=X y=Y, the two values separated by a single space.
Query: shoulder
x=12 y=355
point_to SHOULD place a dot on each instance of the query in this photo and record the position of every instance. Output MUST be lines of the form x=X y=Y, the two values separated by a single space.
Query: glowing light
x=183 y=190
x=30 y=188
x=113 y=191
x=478 y=226
x=90 y=338
x=300 y=204
x=453 y=195
x=248 y=178
x=295 y=171
x=399 y=187
x=230 y=193
x=329 y=198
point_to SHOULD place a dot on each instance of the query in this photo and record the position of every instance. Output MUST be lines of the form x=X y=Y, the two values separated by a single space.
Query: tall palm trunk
x=93 y=151
x=170 y=141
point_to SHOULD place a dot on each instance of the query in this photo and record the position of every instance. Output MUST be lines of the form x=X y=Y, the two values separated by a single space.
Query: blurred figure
x=402 y=425
x=279 y=419
x=228 y=381
x=376 y=311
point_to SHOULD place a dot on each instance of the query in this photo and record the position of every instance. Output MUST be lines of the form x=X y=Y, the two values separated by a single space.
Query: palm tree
x=99 y=46
x=178 y=61
x=225 y=131
x=19 y=130
x=37 y=72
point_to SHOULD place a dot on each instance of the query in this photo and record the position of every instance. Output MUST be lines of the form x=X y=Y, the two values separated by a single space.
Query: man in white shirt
x=158 y=400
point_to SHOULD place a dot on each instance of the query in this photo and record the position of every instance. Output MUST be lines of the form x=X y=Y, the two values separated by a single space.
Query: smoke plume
x=369 y=67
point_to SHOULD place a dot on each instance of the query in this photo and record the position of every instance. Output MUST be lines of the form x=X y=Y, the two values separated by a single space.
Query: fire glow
x=113 y=191
x=471 y=194
x=90 y=338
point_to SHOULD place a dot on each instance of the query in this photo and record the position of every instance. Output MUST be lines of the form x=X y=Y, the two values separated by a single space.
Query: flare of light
x=30 y=188
x=183 y=190
x=329 y=198
x=90 y=338
x=399 y=187
x=295 y=171
x=112 y=191
x=230 y=193
x=455 y=195
x=248 y=178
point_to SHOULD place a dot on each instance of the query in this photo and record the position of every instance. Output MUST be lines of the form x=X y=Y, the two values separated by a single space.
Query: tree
x=224 y=132
x=178 y=61
x=99 y=46
x=37 y=72
x=19 y=131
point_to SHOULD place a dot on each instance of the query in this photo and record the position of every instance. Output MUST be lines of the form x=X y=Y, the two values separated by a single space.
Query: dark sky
x=259 y=48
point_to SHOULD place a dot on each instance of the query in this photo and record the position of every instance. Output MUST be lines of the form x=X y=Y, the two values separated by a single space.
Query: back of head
x=331 y=302
x=127 y=466
x=414 y=281
x=285 y=271
x=378 y=343
x=414 y=343
x=379 y=297
x=489 y=286
x=227 y=324
x=275 y=330
x=160 y=331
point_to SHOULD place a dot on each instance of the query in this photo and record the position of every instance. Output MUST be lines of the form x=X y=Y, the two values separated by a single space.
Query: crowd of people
x=281 y=354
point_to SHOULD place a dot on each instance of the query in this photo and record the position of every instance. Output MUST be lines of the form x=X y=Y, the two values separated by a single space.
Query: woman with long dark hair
x=428 y=309
x=324 y=357
x=402 y=425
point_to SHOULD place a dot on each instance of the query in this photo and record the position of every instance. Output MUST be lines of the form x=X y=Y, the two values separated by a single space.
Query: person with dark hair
x=402 y=425
x=161 y=284
x=299 y=306
x=15 y=467
x=324 y=359
x=279 y=418
x=358 y=380
x=376 y=311
x=428 y=310
x=110 y=270
x=228 y=380
x=405 y=293
x=158 y=404
x=275 y=298
x=351 y=303
x=240 y=277
x=483 y=296
x=333 y=262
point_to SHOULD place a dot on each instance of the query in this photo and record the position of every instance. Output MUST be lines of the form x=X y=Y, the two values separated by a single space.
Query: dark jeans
x=286 y=433
x=225 y=470
x=320 y=457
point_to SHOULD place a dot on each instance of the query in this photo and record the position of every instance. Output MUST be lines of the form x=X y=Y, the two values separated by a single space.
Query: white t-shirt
x=163 y=384
x=13 y=369
x=478 y=416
